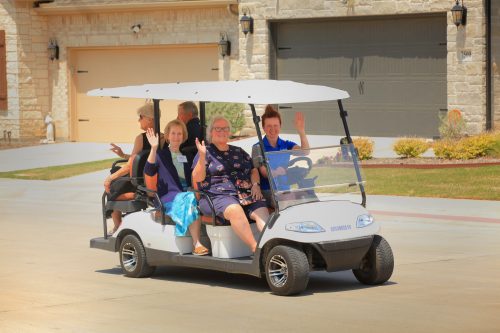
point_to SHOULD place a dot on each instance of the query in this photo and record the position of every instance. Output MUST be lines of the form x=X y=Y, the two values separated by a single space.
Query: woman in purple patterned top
x=222 y=170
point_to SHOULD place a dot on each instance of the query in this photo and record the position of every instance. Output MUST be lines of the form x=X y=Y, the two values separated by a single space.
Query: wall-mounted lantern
x=459 y=14
x=224 y=45
x=136 y=28
x=53 y=49
x=246 y=21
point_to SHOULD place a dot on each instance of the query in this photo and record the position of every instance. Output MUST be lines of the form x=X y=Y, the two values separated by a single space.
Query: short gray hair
x=211 y=126
x=189 y=107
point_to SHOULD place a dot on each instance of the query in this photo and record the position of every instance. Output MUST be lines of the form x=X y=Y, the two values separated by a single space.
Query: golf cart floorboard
x=243 y=265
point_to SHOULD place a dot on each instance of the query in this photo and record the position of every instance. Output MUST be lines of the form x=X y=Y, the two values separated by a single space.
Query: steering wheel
x=296 y=174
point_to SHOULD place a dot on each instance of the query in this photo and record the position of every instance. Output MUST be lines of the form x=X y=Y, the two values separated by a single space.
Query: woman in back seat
x=169 y=173
x=118 y=184
x=225 y=172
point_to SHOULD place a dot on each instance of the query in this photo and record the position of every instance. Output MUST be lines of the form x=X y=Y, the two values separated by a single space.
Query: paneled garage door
x=393 y=68
x=97 y=119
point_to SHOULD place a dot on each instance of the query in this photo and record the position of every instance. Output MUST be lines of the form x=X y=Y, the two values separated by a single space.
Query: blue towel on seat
x=182 y=211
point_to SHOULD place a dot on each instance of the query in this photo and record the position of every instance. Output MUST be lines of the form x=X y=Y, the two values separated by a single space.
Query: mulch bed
x=427 y=163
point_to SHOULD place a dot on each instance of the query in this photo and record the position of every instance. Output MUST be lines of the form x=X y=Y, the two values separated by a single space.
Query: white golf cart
x=317 y=224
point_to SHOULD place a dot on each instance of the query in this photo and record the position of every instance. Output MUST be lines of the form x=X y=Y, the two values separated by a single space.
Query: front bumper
x=102 y=243
x=343 y=255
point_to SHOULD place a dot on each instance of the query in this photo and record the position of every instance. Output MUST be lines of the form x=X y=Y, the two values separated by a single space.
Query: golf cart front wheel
x=378 y=263
x=287 y=270
x=133 y=258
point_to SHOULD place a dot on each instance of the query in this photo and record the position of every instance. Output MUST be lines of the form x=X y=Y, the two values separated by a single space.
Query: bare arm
x=199 y=171
x=125 y=169
x=153 y=141
x=255 y=179
x=300 y=126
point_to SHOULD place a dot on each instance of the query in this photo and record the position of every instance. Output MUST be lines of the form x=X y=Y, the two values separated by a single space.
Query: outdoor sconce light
x=246 y=21
x=53 y=50
x=136 y=28
x=224 y=45
x=459 y=14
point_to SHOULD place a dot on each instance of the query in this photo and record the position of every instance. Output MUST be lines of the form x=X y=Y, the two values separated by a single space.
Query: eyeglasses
x=221 y=129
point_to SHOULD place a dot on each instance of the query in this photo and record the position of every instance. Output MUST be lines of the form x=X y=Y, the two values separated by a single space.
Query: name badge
x=182 y=159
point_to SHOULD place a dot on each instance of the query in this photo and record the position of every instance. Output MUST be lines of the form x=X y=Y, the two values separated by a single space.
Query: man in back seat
x=226 y=174
x=187 y=112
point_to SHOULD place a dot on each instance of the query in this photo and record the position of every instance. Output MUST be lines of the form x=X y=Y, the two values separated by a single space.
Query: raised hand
x=117 y=150
x=152 y=138
x=300 y=123
x=202 y=149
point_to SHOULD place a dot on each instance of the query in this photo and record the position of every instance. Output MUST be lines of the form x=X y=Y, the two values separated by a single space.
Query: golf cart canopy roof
x=247 y=91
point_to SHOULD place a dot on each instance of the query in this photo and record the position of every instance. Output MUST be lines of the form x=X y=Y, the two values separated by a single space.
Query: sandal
x=112 y=232
x=200 y=251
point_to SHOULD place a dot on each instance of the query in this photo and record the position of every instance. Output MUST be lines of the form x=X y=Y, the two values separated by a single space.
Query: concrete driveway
x=446 y=278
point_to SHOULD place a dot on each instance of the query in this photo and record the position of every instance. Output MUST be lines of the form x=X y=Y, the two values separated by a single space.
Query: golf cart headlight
x=308 y=226
x=364 y=220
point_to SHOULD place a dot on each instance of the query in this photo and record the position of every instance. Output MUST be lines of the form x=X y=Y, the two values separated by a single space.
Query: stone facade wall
x=27 y=70
x=466 y=74
x=37 y=86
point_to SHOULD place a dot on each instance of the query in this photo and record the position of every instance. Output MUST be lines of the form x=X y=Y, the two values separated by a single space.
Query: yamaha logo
x=340 y=227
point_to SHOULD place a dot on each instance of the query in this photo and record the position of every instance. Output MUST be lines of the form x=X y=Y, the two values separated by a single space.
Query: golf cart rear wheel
x=378 y=263
x=133 y=258
x=287 y=270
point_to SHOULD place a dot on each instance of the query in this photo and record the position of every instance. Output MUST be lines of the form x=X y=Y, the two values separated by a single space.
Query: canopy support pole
x=156 y=108
x=343 y=116
x=203 y=120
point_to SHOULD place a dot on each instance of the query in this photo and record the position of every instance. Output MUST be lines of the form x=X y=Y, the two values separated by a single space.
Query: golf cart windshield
x=317 y=174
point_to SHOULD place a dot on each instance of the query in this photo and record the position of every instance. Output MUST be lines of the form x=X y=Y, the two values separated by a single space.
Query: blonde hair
x=211 y=126
x=176 y=122
x=147 y=110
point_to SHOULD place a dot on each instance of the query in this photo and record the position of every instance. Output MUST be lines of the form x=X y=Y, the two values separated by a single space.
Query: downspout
x=489 y=113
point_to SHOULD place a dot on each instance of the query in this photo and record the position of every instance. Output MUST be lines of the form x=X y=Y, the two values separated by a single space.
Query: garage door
x=115 y=120
x=393 y=68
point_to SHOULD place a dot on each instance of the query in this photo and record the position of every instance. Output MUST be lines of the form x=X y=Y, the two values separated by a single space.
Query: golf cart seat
x=131 y=201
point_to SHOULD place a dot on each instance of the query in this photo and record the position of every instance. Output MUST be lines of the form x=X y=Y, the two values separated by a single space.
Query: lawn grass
x=469 y=183
x=58 y=172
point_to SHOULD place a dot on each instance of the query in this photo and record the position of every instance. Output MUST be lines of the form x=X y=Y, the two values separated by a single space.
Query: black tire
x=378 y=263
x=133 y=258
x=287 y=270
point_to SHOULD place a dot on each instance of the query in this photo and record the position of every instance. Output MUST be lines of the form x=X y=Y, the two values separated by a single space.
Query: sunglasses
x=221 y=129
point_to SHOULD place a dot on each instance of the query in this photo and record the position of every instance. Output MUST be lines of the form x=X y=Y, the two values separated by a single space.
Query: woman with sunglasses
x=226 y=174
x=117 y=184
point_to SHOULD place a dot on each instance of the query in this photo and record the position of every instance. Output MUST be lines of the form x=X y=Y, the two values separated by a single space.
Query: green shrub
x=452 y=125
x=465 y=148
x=495 y=152
x=410 y=147
x=364 y=146
x=234 y=112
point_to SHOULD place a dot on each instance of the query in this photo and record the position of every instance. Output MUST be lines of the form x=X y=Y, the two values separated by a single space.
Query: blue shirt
x=276 y=161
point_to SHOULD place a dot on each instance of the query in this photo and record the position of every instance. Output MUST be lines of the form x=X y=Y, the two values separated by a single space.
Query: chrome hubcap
x=277 y=270
x=129 y=257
